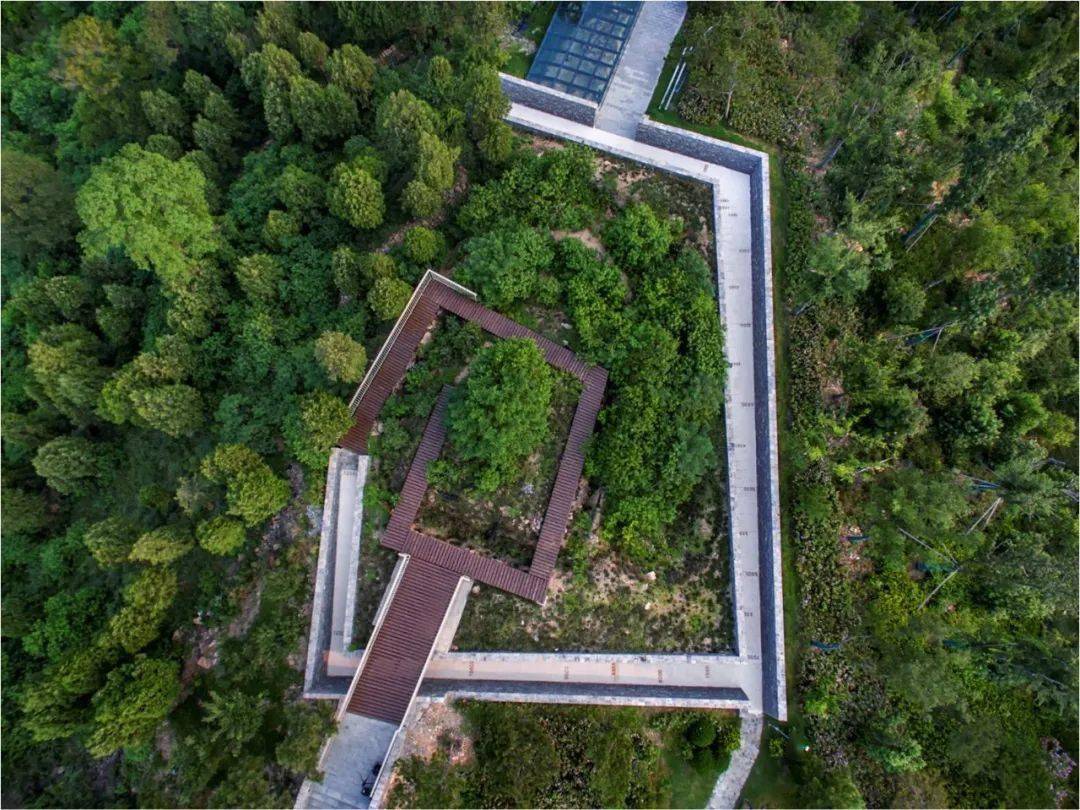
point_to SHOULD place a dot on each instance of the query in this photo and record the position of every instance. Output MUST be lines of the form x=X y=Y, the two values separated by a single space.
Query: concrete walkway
x=359 y=744
x=631 y=87
x=730 y=784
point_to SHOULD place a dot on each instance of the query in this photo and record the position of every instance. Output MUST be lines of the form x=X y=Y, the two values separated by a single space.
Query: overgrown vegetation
x=639 y=300
x=527 y=755
x=929 y=295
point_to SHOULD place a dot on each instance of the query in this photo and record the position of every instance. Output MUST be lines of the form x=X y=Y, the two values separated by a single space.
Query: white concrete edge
x=737 y=599
x=774 y=444
x=322 y=568
x=362 y=465
x=595 y=700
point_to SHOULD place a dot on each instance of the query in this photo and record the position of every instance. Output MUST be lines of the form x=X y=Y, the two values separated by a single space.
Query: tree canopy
x=500 y=414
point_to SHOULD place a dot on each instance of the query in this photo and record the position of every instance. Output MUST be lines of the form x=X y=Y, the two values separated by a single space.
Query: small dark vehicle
x=369 y=780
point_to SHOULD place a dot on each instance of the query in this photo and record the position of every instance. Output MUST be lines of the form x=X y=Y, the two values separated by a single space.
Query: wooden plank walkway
x=399 y=651
x=401 y=646
x=434 y=297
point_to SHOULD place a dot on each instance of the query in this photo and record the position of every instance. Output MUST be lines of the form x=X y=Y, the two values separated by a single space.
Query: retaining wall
x=600 y=694
x=317 y=683
x=548 y=100
x=756 y=165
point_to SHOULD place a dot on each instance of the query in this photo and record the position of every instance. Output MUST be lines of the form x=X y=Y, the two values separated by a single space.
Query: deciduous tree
x=499 y=416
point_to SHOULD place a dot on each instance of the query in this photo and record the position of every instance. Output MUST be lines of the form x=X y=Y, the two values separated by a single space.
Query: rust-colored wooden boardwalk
x=401 y=645
x=384 y=684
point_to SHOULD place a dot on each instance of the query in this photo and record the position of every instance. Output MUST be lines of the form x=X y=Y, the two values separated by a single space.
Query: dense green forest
x=213 y=212
x=191 y=197
x=929 y=304
x=212 y=215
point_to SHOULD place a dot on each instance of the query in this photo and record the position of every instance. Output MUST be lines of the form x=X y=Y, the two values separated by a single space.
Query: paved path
x=731 y=202
x=638 y=70
x=359 y=744
x=615 y=668
x=731 y=782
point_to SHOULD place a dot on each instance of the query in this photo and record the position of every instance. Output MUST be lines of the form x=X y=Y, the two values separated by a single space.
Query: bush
x=314 y=426
x=342 y=358
x=388 y=297
x=163 y=545
x=701 y=733
x=500 y=415
x=221 y=535
x=504 y=266
x=638 y=239
x=355 y=196
x=423 y=245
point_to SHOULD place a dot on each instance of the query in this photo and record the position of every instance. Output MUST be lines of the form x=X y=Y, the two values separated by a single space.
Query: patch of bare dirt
x=586 y=236
x=538 y=144
x=285 y=528
x=438 y=726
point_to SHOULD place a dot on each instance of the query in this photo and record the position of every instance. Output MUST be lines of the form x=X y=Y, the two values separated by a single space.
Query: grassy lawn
x=536 y=25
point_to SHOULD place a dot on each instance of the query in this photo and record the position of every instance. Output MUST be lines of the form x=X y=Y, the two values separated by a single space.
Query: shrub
x=423 y=245
x=341 y=357
x=500 y=415
x=314 y=425
x=701 y=733
x=355 y=196
x=388 y=297
x=221 y=535
x=163 y=545
x=504 y=266
x=638 y=239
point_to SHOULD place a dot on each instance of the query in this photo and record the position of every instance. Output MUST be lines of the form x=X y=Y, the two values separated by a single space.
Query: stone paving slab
x=631 y=88
x=730 y=784
x=359 y=744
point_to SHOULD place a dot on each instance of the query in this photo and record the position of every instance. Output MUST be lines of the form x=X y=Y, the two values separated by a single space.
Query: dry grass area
x=599 y=602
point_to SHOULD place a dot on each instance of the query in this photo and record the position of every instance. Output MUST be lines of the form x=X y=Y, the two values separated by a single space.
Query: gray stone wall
x=587 y=693
x=548 y=100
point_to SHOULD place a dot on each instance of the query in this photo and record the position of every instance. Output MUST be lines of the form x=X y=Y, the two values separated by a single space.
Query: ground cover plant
x=212 y=214
x=528 y=755
x=929 y=346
